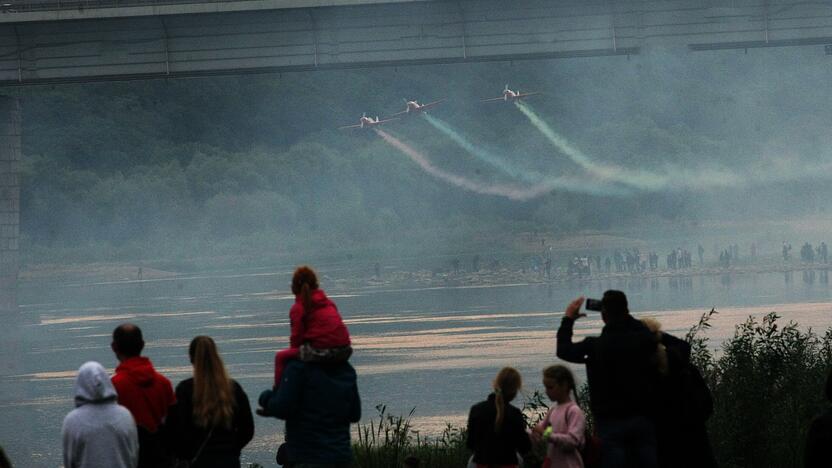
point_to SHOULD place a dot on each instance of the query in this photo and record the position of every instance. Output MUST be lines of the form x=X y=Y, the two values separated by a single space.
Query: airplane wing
x=399 y=113
x=386 y=120
x=432 y=104
x=522 y=95
x=349 y=126
x=501 y=98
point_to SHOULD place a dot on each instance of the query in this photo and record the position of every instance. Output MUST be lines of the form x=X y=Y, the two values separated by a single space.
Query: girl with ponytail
x=317 y=331
x=496 y=429
x=211 y=421
x=564 y=425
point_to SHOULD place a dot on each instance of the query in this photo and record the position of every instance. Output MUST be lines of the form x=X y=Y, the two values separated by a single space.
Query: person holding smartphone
x=621 y=375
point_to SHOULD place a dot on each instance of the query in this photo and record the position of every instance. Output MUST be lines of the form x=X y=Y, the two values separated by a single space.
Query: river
x=434 y=349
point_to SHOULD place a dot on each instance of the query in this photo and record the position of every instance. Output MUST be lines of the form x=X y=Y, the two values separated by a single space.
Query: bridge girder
x=385 y=34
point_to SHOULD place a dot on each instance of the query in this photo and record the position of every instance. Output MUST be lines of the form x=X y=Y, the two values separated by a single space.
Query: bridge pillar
x=10 y=141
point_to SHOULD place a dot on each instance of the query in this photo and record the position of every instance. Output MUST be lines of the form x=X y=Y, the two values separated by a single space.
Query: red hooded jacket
x=322 y=327
x=145 y=392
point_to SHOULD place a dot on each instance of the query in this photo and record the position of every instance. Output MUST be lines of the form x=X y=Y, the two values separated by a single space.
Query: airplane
x=413 y=107
x=509 y=95
x=367 y=122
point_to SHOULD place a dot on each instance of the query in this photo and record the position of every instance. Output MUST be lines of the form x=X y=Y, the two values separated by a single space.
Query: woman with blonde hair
x=496 y=430
x=211 y=421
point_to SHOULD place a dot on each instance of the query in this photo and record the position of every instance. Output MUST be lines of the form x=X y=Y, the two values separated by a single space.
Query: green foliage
x=114 y=171
x=387 y=442
x=767 y=386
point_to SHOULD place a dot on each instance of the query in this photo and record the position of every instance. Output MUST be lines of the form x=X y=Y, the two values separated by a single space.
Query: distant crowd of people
x=650 y=404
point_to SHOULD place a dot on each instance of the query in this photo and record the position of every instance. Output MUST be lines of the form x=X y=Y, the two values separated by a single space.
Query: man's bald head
x=127 y=340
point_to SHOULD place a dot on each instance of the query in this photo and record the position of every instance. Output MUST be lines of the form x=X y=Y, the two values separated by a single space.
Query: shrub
x=767 y=385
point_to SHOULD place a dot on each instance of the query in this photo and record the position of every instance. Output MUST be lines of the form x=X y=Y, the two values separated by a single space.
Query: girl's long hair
x=304 y=281
x=661 y=351
x=506 y=385
x=561 y=375
x=214 y=403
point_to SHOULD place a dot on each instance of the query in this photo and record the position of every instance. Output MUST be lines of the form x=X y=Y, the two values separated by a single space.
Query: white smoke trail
x=512 y=193
x=532 y=177
x=640 y=179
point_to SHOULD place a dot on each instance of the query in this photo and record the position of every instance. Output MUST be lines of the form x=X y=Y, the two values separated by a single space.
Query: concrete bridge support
x=10 y=141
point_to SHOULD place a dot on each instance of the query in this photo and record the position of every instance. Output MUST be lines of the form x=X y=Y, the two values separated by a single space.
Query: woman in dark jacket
x=496 y=429
x=211 y=421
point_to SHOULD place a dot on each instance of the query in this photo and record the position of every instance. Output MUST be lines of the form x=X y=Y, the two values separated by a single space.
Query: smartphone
x=593 y=304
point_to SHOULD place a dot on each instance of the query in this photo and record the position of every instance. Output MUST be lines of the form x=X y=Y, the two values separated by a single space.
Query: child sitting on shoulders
x=317 y=331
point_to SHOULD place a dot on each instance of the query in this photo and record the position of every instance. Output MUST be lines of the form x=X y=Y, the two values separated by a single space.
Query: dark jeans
x=627 y=442
x=318 y=465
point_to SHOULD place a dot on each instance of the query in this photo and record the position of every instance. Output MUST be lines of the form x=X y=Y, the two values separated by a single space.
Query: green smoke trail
x=527 y=176
x=640 y=179
x=481 y=154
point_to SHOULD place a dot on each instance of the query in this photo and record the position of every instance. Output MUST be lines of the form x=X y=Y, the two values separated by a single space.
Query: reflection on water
x=448 y=339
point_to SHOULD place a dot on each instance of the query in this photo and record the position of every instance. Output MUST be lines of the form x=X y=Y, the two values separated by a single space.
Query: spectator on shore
x=683 y=405
x=143 y=391
x=317 y=330
x=819 y=439
x=211 y=421
x=564 y=426
x=4 y=460
x=496 y=429
x=318 y=401
x=98 y=433
x=621 y=372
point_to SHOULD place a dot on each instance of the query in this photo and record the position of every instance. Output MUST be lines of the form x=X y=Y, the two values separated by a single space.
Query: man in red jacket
x=143 y=391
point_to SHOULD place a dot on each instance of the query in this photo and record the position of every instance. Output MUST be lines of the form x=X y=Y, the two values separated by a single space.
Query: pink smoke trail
x=512 y=193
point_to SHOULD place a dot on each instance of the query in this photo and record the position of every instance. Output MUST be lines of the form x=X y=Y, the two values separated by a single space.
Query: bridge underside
x=384 y=34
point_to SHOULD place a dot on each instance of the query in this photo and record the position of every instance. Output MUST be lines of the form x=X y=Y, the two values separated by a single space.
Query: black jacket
x=496 y=447
x=684 y=404
x=819 y=442
x=620 y=366
x=318 y=402
x=184 y=438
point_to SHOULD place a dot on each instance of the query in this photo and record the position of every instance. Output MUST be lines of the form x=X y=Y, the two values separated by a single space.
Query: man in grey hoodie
x=98 y=433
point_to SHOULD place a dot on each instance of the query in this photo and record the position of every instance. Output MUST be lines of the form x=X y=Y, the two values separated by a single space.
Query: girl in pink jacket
x=564 y=425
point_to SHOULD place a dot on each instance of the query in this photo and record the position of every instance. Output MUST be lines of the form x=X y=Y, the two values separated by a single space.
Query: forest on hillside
x=250 y=164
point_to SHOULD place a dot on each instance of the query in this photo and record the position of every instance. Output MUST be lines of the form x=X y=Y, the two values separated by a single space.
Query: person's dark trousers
x=627 y=442
x=318 y=465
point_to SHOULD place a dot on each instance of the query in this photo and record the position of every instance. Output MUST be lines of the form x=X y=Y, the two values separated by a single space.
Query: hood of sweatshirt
x=139 y=370
x=93 y=385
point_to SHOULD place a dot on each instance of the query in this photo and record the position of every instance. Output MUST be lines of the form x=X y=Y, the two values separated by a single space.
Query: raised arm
x=566 y=349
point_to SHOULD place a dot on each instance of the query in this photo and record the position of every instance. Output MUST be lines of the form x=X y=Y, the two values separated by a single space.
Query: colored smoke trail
x=501 y=164
x=672 y=178
x=639 y=179
x=479 y=153
x=459 y=181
